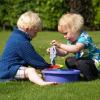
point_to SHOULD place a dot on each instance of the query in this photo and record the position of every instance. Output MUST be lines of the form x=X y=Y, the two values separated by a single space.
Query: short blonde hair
x=29 y=20
x=74 y=21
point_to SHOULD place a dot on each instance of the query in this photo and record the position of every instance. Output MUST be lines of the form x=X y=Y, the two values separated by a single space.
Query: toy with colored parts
x=53 y=55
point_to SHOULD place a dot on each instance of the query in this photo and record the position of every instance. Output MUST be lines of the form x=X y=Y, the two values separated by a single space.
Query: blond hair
x=29 y=20
x=74 y=21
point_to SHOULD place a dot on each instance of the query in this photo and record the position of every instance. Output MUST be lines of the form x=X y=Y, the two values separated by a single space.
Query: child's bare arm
x=61 y=52
x=69 y=48
x=72 y=48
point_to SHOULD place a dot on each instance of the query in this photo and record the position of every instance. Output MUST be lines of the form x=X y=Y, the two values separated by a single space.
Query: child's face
x=32 y=32
x=68 y=33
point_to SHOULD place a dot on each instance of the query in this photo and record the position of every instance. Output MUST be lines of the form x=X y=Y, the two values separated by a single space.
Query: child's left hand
x=48 y=50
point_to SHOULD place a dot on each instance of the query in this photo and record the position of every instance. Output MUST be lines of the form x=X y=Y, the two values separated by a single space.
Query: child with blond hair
x=19 y=53
x=86 y=55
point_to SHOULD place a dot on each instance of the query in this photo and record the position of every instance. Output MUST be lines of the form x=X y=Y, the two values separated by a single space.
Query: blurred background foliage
x=50 y=11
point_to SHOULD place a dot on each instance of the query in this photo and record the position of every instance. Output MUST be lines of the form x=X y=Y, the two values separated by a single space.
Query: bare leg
x=33 y=76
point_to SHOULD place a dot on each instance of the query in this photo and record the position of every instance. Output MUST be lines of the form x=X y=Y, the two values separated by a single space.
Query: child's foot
x=48 y=83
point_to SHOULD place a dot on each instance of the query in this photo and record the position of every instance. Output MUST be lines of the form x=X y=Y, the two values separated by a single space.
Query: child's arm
x=61 y=52
x=72 y=48
x=69 y=48
x=31 y=57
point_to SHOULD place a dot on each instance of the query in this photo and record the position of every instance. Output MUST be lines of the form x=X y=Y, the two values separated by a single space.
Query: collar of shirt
x=21 y=31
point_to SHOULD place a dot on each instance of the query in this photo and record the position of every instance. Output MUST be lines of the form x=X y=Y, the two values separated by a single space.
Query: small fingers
x=53 y=42
x=48 y=50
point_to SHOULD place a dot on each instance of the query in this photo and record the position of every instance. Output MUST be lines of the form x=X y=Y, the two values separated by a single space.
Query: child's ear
x=26 y=29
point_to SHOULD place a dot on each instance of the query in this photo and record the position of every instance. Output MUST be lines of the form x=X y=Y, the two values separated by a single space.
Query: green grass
x=25 y=90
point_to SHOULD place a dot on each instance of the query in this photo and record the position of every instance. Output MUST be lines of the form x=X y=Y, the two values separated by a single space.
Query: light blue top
x=90 y=49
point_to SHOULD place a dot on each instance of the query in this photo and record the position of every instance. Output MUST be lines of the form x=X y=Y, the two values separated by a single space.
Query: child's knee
x=29 y=71
x=70 y=62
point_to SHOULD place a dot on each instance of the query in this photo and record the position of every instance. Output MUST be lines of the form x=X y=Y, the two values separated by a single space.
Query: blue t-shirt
x=90 y=50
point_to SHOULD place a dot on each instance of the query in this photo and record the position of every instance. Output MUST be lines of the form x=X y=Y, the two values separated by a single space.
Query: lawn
x=25 y=90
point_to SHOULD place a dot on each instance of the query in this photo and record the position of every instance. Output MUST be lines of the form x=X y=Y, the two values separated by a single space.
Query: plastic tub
x=61 y=75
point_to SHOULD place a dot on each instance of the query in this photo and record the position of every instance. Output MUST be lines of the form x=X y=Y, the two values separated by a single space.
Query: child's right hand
x=55 y=43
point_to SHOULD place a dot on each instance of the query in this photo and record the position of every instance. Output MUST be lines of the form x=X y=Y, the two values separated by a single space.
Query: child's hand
x=56 y=43
x=48 y=50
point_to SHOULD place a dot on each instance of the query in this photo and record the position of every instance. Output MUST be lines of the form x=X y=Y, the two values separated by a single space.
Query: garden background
x=50 y=11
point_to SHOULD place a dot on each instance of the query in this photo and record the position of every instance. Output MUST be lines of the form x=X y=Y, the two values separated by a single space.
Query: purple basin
x=61 y=75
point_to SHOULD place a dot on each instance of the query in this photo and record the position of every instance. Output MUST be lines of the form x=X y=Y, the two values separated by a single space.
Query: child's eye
x=64 y=33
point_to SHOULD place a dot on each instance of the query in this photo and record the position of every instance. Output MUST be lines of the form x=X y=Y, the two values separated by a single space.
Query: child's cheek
x=73 y=39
